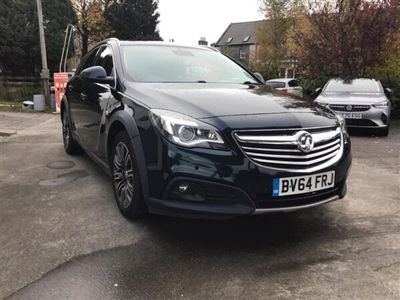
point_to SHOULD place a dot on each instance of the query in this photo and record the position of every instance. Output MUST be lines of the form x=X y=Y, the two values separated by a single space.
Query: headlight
x=186 y=131
x=383 y=104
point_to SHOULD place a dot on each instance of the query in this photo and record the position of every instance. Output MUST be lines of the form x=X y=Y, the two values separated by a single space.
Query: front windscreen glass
x=152 y=63
x=353 y=86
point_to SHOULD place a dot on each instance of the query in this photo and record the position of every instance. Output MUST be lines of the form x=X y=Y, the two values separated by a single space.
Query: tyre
x=383 y=131
x=70 y=145
x=125 y=178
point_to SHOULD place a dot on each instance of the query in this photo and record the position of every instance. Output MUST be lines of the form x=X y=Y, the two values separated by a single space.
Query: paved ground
x=61 y=235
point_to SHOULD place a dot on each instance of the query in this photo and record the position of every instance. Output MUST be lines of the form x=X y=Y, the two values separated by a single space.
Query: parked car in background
x=186 y=131
x=288 y=85
x=362 y=102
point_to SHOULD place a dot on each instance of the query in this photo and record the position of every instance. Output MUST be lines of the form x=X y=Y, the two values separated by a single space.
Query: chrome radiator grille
x=349 y=108
x=280 y=149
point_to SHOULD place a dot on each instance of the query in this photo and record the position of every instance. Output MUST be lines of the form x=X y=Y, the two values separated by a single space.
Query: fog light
x=384 y=119
x=187 y=191
x=183 y=188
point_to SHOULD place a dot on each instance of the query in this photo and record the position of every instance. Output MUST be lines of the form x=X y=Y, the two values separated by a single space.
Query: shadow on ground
x=201 y=258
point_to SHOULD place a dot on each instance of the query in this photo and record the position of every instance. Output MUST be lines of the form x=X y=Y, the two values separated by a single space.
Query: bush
x=394 y=85
x=311 y=84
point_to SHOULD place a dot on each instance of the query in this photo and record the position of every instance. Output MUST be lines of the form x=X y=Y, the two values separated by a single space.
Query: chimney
x=203 y=41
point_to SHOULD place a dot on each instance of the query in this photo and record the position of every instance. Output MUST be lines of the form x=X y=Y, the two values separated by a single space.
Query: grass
x=16 y=106
x=11 y=106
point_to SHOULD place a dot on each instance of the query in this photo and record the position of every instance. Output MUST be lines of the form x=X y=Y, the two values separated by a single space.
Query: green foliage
x=133 y=19
x=19 y=41
x=394 y=85
x=19 y=93
x=346 y=38
x=389 y=72
x=226 y=50
x=349 y=39
x=311 y=84
x=91 y=23
x=274 y=35
x=57 y=15
x=19 y=37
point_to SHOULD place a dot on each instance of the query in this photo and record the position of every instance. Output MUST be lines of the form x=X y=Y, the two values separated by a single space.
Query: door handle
x=83 y=97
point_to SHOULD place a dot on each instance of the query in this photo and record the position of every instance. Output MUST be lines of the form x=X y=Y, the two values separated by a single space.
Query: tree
x=389 y=72
x=19 y=38
x=92 y=25
x=346 y=38
x=57 y=15
x=274 y=35
x=226 y=50
x=19 y=42
x=133 y=19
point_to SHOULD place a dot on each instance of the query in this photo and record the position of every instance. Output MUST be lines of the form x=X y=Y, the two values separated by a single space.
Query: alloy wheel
x=123 y=175
x=66 y=132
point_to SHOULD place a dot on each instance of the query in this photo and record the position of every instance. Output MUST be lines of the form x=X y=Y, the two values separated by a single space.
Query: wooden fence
x=18 y=88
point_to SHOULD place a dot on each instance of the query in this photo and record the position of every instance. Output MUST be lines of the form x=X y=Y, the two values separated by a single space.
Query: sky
x=186 y=21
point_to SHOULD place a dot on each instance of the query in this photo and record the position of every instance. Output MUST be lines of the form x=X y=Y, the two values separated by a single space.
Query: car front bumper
x=228 y=184
x=373 y=118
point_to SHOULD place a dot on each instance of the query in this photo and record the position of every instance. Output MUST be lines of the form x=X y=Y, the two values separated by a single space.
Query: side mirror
x=96 y=74
x=317 y=91
x=388 y=91
x=259 y=77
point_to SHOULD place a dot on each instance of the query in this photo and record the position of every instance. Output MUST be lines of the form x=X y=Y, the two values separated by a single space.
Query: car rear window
x=276 y=84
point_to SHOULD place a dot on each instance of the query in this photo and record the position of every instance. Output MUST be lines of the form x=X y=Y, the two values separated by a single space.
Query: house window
x=229 y=40
x=246 y=39
x=242 y=54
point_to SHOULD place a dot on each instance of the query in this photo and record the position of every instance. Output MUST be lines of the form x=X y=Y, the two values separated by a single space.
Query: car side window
x=87 y=61
x=293 y=83
x=276 y=84
x=105 y=60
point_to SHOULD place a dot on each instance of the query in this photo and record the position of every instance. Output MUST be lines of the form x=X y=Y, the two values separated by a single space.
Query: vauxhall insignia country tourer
x=186 y=131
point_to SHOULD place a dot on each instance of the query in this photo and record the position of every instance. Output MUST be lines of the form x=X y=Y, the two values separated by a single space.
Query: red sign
x=60 y=83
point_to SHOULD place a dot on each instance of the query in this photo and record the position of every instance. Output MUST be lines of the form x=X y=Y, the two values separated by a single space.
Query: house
x=240 y=41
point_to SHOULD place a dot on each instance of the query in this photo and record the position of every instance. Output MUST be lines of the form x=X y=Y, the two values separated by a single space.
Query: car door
x=95 y=100
x=76 y=95
x=295 y=88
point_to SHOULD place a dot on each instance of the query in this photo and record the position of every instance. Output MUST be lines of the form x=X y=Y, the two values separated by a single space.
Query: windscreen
x=151 y=63
x=353 y=86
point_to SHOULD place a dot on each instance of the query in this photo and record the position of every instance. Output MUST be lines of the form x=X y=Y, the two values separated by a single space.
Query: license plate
x=348 y=115
x=303 y=184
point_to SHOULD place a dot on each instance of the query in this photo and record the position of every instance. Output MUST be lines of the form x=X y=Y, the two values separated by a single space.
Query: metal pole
x=71 y=33
x=45 y=75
